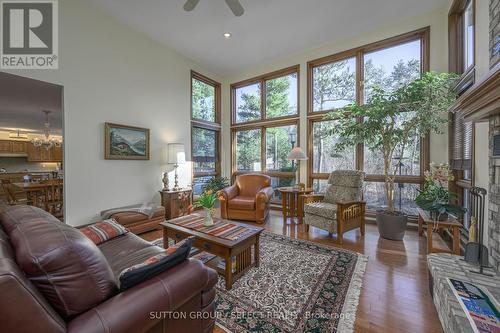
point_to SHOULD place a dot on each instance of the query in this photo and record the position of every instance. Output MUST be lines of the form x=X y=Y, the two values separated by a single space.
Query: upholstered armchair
x=248 y=199
x=341 y=208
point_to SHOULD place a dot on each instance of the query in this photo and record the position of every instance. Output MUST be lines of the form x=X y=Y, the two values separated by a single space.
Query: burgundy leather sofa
x=53 y=279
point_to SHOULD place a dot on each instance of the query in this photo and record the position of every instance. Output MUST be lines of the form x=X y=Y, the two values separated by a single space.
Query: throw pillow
x=155 y=265
x=103 y=231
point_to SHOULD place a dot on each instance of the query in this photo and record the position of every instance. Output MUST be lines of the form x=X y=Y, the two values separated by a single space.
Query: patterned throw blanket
x=221 y=228
x=147 y=209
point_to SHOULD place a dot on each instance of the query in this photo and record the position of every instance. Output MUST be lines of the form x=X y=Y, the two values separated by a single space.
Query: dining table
x=35 y=191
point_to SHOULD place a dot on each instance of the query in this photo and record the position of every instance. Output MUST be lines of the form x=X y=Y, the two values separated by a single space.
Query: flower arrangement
x=207 y=201
x=435 y=196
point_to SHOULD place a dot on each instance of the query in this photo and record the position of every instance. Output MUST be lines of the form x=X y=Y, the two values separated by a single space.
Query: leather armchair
x=248 y=199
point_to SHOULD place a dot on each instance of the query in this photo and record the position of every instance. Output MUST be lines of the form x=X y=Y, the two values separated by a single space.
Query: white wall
x=113 y=74
x=437 y=20
x=482 y=54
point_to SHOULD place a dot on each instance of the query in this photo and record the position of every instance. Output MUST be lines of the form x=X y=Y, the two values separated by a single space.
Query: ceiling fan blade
x=190 y=4
x=236 y=7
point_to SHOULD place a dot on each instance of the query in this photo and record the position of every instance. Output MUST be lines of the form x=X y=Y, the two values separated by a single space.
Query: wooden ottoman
x=138 y=222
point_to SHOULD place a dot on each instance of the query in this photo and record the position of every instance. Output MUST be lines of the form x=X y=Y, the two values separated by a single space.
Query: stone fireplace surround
x=481 y=103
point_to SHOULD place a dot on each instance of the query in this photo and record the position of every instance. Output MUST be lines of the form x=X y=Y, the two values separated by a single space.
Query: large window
x=349 y=77
x=265 y=126
x=248 y=150
x=461 y=41
x=334 y=84
x=278 y=100
x=205 y=130
x=324 y=159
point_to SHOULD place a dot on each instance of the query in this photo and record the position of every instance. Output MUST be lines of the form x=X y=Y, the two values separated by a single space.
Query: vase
x=209 y=221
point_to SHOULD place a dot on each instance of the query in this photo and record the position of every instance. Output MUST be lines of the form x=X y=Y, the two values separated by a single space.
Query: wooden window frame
x=456 y=44
x=263 y=123
x=262 y=126
x=207 y=125
x=423 y=35
x=262 y=80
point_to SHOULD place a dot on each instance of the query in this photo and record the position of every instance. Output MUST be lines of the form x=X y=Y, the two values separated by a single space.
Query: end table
x=293 y=203
x=176 y=203
x=424 y=219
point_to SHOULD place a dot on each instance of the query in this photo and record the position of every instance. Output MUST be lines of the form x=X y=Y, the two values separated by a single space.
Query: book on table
x=480 y=307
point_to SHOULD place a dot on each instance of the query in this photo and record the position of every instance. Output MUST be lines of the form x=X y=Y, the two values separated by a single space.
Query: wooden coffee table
x=223 y=248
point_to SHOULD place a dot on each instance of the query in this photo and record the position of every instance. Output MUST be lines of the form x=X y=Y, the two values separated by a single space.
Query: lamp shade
x=176 y=153
x=297 y=154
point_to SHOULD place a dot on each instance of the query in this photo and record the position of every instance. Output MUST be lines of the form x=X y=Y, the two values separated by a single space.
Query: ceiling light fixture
x=48 y=141
x=227 y=35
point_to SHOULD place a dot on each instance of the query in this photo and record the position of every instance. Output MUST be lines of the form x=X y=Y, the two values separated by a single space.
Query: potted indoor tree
x=387 y=123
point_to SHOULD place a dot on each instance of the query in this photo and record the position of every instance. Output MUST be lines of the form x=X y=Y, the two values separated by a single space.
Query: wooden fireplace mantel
x=482 y=100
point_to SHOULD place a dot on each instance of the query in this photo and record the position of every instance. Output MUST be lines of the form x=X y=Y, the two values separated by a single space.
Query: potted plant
x=435 y=196
x=216 y=184
x=388 y=122
x=207 y=201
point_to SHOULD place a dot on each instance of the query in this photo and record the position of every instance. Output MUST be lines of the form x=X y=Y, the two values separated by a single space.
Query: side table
x=454 y=225
x=176 y=203
x=293 y=203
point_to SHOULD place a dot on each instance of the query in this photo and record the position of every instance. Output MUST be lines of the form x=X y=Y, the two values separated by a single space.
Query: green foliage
x=277 y=102
x=249 y=109
x=203 y=99
x=247 y=148
x=436 y=197
x=207 y=199
x=203 y=142
x=391 y=119
x=216 y=184
x=278 y=145
x=334 y=83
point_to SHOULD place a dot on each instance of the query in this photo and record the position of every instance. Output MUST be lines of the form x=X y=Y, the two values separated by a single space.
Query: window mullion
x=263 y=166
x=360 y=76
x=263 y=105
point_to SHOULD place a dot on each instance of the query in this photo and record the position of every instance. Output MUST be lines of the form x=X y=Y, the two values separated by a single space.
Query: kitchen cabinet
x=40 y=154
x=19 y=147
x=11 y=147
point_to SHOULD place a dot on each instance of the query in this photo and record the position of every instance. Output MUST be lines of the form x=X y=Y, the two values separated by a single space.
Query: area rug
x=300 y=286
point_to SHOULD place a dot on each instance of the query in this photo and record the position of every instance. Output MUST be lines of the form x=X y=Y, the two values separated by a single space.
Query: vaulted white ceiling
x=269 y=29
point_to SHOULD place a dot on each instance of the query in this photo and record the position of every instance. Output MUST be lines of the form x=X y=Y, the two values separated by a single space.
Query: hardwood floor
x=395 y=295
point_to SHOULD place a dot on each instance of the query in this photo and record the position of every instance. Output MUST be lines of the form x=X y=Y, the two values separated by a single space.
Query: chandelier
x=47 y=141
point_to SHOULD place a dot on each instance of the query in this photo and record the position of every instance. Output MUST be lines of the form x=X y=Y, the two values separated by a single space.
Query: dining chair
x=54 y=197
x=9 y=190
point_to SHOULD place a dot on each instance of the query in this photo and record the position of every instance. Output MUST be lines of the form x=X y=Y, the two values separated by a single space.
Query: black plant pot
x=391 y=225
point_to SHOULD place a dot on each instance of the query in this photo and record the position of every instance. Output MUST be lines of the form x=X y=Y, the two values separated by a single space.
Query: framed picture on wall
x=122 y=142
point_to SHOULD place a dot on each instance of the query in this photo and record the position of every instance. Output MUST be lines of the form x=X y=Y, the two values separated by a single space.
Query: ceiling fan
x=234 y=5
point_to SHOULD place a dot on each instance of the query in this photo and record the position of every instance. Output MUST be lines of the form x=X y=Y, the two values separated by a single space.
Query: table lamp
x=297 y=154
x=176 y=156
